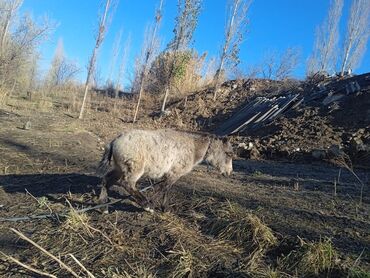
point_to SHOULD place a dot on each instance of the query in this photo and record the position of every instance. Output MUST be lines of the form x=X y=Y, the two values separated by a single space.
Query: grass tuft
x=187 y=265
x=358 y=273
x=312 y=258
x=233 y=222
x=137 y=272
x=76 y=221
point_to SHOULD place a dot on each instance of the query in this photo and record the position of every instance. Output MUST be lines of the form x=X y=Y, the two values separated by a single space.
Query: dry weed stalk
x=82 y=266
x=344 y=161
x=79 y=219
x=34 y=270
x=42 y=201
x=62 y=264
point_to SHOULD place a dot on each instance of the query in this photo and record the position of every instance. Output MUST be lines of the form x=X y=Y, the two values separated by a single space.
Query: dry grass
x=343 y=160
x=358 y=273
x=233 y=222
x=193 y=253
x=76 y=221
x=187 y=264
x=137 y=272
x=269 y=272
x=312 y=258
x=3 y=95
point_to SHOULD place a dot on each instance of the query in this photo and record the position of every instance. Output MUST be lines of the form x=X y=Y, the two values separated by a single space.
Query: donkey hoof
x=105 y=211
x=148 y=209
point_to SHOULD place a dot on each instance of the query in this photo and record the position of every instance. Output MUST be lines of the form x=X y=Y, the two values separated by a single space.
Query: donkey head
x=220 y=154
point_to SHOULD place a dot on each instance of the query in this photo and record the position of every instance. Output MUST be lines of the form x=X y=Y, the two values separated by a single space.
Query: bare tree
x=122 y=66
x=357 y=35
x=33 y=72
x=115 y=52
x=325 y=53
x=186 y=22
x=21 y=46
x=150 y=44
x=269 y=63
x=235 y=29
x=62 y=70
x=288 y=62
x=280 y=66
x=208 y=71
x=99 y=39
x=8 y=9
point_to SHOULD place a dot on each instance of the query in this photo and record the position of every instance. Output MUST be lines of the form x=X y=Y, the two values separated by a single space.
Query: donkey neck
x=201 y=147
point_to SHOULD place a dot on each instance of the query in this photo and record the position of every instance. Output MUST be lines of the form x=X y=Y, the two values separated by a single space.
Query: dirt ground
x=55 y=159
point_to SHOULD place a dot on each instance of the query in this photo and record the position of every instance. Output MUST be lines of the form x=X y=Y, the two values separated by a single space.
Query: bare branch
x=325 y=53
x=235 y=29
x=357 y=36
x=288 y=62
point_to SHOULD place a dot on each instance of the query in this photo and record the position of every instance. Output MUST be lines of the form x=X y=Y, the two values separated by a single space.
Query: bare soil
x=55 y=161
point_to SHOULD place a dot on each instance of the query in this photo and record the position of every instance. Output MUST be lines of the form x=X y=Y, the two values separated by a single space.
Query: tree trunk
x=345 y=60
x=165 y=99
x=138 y=103
x=229 y=35
x=149 y=53
x=93 y=57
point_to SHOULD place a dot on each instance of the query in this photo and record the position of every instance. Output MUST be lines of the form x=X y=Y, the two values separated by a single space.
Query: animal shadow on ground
x=54 y=186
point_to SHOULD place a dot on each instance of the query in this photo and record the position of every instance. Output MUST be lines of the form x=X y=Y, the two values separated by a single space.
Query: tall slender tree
x=236 y=26
x=115 y=52
x=186 y=22
x=99 y=39
x=357 y=35
x=150 y=45
x=122 y=65
x=325 y=54
x=8 y=10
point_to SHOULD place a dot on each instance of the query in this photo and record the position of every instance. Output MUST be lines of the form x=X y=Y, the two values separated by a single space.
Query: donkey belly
x=160 y=165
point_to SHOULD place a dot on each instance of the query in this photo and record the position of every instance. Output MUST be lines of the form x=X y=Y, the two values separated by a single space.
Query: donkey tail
x=105 y=162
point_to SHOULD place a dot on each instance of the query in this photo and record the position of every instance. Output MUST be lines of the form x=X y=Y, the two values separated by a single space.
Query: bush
x=182 y=71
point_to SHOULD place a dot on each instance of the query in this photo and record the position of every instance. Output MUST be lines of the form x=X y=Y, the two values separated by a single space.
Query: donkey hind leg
x=108 y=180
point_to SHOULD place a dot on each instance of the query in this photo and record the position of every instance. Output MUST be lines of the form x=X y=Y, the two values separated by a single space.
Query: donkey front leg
x=139 y=197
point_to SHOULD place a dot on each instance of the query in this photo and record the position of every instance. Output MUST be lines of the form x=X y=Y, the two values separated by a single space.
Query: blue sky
x=274 y=26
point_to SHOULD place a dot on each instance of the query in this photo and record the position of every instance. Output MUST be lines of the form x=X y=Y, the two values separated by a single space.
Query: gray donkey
x=157 y=154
